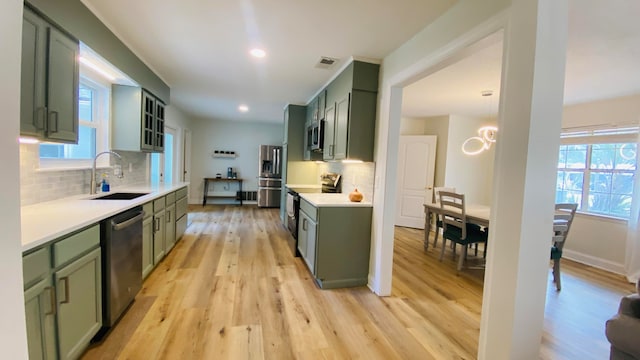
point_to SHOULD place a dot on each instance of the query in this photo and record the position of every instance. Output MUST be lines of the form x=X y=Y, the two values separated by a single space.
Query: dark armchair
x=623 y=330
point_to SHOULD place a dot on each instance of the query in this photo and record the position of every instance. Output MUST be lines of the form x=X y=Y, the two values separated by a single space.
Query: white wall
x=619 y=111
x=242 y=137
x=469 y=174
x=13 y=336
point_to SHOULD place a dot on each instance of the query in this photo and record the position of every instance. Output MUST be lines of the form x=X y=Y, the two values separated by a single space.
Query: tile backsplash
x=37 y=185
x=360 y=175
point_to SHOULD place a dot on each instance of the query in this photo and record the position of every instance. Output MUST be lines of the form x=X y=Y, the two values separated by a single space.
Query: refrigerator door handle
x=275 y=161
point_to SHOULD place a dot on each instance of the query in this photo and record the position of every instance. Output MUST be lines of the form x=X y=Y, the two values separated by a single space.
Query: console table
x=227 y=180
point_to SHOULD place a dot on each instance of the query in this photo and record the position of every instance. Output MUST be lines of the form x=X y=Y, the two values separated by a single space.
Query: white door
x=186 y=155
x=416 y=170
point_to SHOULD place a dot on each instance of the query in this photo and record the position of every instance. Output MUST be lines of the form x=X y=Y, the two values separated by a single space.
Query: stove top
x=331 y=183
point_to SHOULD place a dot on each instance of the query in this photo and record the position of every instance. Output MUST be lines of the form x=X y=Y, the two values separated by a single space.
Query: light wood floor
x=231 y=289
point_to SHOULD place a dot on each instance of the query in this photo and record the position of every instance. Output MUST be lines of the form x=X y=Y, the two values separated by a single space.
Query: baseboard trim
x=594 y=261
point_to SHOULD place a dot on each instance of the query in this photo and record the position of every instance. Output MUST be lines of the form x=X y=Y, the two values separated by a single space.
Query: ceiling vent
x=326 y=62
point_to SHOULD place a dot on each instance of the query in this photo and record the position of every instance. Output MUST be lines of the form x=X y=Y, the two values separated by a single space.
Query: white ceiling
x=200 y=48
x=603 y=61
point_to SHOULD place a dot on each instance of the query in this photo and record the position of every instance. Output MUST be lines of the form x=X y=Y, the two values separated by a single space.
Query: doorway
x=162 y=167
x=186 y=155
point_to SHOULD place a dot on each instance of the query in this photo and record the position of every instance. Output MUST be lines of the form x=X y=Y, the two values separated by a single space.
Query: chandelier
x=477 y=144
x=486 y=134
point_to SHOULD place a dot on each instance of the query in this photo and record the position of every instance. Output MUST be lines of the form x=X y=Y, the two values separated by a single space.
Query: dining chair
x=562 y=220
x=436 y=197
x=455 y=225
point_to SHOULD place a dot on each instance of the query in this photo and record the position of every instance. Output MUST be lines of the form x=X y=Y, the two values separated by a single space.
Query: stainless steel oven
x=315 y=135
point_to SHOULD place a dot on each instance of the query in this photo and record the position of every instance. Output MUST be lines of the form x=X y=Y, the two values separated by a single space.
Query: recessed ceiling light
x=243 y=108
x=259 y=53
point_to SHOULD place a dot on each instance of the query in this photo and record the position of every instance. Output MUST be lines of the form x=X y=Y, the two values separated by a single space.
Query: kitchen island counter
x=333 y=200
x=50 y=220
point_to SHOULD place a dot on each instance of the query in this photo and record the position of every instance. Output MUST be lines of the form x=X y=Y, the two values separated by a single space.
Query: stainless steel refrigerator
x=269 y=180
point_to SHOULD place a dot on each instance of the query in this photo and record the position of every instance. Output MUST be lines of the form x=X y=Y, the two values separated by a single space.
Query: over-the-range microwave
x=315 y=135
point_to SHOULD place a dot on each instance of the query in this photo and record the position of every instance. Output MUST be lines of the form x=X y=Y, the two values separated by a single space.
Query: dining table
x=476 y=214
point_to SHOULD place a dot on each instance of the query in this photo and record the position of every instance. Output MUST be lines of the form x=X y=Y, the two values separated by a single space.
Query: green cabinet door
x=341 y=130
x=158 y=129
x=302 y=234
x=79 y=299
x=322 y=104
x=159 y=234
x=307 y=240
x=328 y=150
x=32 y=89
x=147 y=246
x=148 y=121
x=311 y=245
x=170 y=229
x=62 y=87
x=40 y=311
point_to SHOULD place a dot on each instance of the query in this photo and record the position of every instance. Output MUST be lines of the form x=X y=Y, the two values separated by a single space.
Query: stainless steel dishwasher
x=121 y=263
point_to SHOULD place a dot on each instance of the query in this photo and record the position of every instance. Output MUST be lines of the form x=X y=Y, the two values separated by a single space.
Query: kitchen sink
x=120 y=196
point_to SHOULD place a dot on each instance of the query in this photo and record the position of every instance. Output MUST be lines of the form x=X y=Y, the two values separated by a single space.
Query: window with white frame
x=596 y=170
x=93 y=127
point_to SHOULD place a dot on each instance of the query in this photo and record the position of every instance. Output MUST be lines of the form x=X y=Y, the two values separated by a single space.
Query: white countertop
x=304 y=186
x=333 y=200
x=50 y=220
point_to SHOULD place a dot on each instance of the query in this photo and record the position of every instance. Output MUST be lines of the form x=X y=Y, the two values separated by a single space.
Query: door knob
x=429 y=188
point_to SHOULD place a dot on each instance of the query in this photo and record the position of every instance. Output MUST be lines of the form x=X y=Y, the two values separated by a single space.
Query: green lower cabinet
x=147 y=246
x=170 y=230
x=335 y=242
x=40 y=313
x=307 y=240
x=79 y=299
x=159 y=234
x=181 y=226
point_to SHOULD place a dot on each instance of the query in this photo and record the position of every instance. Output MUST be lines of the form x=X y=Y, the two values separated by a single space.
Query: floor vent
x=247 y=195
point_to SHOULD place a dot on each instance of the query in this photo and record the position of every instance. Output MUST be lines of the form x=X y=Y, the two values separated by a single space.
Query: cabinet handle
x=52 y=300
x=168 y=216
x=156 y=224
x=304 y=224
x=41 y=113
x=66 y=290
x=53 y=115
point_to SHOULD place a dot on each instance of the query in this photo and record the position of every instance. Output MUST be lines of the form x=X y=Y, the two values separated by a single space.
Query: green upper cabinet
x=350 y=113
x=137 y=120
x=49 y=81
x=294 y=131
x=321 y=101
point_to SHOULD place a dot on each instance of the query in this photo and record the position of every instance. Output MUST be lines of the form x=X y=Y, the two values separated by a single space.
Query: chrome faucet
x=93 y=184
